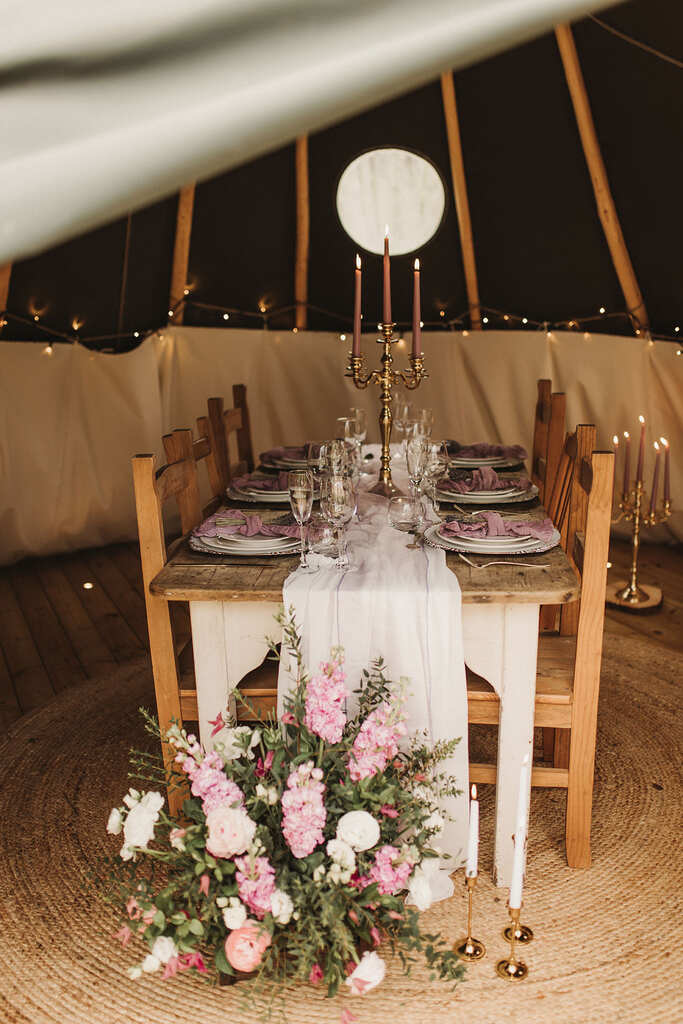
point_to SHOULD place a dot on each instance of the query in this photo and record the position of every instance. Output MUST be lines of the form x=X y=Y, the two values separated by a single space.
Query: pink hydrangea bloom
x=211 y=784
x=390 y=876
x=325 y=696
x=255 y=883
x=377 y=741
x=303 y=810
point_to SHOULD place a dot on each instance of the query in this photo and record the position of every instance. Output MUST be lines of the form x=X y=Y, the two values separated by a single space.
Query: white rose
x=281 y=906
x=150 y=964
x=367 y=975
x=232 y=746
x=231 y=830
x=359 y=829
x=115 y=822
x=419 y=890
x=261 y=791
x=131 y=798
x=341 y=853
x=273 y=795
x=235 y=914
x=338 y=875
x=139 y=825
x=164 y=949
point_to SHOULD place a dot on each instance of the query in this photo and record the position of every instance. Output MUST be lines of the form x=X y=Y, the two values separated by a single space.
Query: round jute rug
x=604 y=938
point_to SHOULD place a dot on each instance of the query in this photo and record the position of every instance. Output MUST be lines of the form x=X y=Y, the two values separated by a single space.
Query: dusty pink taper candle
x=417 y=314
x=667 y=469
x=386 y=267
x=356 y=310
x=655 y=480
x=641 y=451
x=627 y=462
x=615 y=442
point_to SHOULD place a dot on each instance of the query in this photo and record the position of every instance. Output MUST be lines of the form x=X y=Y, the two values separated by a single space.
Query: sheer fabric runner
x=404 y=605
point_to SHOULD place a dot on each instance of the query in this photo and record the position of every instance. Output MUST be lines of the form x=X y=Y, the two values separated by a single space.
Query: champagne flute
x=436 y=467
x=337 y=503
x=360 y=421
x=416 y=461
x=300 y=483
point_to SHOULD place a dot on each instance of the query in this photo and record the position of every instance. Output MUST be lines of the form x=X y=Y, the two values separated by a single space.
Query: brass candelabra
x=469 y=948
x=386 y=377
x=509 y=967
x=632 y=594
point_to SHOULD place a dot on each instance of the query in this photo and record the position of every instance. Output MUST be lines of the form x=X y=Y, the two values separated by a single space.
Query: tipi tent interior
x=196 y=203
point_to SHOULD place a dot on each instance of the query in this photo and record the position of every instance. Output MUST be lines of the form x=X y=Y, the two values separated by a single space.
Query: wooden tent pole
x=303 y=223
x=181 y=251
x=462 y=205
x=5 y=275
x=603 y=196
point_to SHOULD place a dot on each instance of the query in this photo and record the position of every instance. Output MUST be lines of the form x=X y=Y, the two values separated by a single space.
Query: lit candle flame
x=641 y=419
x=417 y=264
x=656 y=446
x=664 y=442
x=615 y=439
x=357 y=262
x=386 y=230
x=526 y=759
x=474 y=792
x=626 y=434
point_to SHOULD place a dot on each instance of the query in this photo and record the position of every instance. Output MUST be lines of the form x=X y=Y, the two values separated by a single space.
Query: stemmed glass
x=300 y=484
x=416 y=461
x=436 y=466
x=359 y=419
x=337 y=503
x=404 y=416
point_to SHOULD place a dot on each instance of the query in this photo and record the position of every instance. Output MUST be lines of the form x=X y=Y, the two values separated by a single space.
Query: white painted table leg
x=228 y=640
x=516 y=726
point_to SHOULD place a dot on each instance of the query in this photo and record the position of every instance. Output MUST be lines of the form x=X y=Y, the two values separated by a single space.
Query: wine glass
x=416 y=461
x=405 y=513
x=332 y=457
x=337 y=503
x=300 y=484
x=404 y=415
x=425 y=422
x=360 y=424
x=436 y=466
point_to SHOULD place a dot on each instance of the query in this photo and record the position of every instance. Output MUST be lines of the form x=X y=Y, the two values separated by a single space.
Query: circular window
x=394 y=188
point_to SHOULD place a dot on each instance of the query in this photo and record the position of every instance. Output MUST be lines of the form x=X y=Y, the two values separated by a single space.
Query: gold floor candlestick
x=633 y=594
x=510 y=967
x=386 y=378
x=469 y=948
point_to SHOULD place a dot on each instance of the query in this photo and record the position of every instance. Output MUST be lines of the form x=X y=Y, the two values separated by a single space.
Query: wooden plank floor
x=54 y=632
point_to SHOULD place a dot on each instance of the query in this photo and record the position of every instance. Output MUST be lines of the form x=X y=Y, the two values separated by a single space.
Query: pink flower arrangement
x=390 y=874
x=211 y=784
x=325 y=696
x=255 y=883
x=303 y=810
x=377 y=741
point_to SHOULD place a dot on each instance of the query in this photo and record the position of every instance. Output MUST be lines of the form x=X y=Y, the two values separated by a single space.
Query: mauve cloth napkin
x=263 y=483
x=492 y=524
x=484 y=479
x=487 y=451
x=297 y=452
x=228 y=521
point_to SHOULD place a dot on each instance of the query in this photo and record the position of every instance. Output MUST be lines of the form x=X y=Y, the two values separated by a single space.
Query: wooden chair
x=216 y=427
x=549 y=418
x=568 y=667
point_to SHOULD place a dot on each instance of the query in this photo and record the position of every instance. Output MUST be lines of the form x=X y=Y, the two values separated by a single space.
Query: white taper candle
x=472 y=866
x=521 y=827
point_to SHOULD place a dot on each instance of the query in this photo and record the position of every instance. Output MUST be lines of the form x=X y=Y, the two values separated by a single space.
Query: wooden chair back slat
x=578 y=510
x=218 y=439
x=212 y=468
x=539 y=449
x=179 y=449
x=245 y=448
x=556 y=432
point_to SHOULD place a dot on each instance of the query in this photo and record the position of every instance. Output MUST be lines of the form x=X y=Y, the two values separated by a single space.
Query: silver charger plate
x=477 y=498
x=200 y=544
x=487 y=547
x=260 y=497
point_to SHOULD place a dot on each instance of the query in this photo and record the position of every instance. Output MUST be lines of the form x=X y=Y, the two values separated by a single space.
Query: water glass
x=359 y=419
x=405 y=513
x=416 y=461
x=337 y=503
x=300 y=484
x=436 y=467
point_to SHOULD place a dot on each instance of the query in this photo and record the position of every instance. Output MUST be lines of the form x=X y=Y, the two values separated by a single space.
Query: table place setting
x=483 y=486
x=260 y=487
x=287 y=456
x=236 y=532
x=490 y=533
x=471 y=456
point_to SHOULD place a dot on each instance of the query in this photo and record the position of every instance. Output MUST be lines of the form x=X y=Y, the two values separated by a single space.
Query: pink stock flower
x=195 y=960
x=171 y=968
x=245 y=946
x=377 y=741
x=255 y=883
x=289 y=719
x=316 y=975
x=375 y=936
x=390 y=874
x=204 y=882
x=303 y=810
x=359 y=882
x=388 y=811
x=263 y=767
x=217 y=724
x=325 y=696
x=209 y=781
x=123 y=935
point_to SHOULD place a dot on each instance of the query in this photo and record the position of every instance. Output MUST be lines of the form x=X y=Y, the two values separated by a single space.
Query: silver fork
x=485 y=565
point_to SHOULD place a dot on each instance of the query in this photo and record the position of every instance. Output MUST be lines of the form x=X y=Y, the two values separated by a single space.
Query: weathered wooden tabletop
x=191 y=576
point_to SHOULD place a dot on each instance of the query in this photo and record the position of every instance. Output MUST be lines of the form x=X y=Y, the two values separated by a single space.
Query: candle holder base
x=386 y=489
x=622 y=595
x=470 y=949
x=511 y=970
x=522 y=933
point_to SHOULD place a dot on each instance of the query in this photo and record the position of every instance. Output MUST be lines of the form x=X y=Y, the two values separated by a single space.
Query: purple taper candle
x=627 y=462
x=356 y=310
x=386 y=266
x=667 y=469
x=417 y=330
x=641 y=451
x=655 y=480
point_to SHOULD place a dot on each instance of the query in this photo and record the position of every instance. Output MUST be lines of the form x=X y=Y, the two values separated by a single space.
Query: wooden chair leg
x=561 y=750
x=580 y=806
x=549 y=744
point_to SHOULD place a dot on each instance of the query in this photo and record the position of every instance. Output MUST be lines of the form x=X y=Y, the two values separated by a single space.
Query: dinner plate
x=495 y=463
x=484 y=494
x=219 y=546
x=257 y=540
x=264 y=497
x=497 y=498
x=533 y=546
x=288 y=463
x=503 y=542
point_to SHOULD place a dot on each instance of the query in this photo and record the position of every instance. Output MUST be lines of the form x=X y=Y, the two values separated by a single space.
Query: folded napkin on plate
x=298 y=453
x=227 y=522
x=486 y=451
x=484 y=479
x=263 y=483
x=492 y=524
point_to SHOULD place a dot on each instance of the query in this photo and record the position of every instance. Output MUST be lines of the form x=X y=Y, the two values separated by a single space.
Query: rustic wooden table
x=233 y=601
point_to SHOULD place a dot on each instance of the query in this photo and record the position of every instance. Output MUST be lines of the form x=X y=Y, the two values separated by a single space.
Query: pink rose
x=231 y=831
x=245 y=946
x=316 y=975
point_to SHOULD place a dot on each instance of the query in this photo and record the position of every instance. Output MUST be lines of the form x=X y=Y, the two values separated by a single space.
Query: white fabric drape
x=70 y=422
x=107 y=107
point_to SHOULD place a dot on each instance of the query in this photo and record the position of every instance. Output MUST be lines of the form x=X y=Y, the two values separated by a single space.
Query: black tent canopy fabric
x=539 y=245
